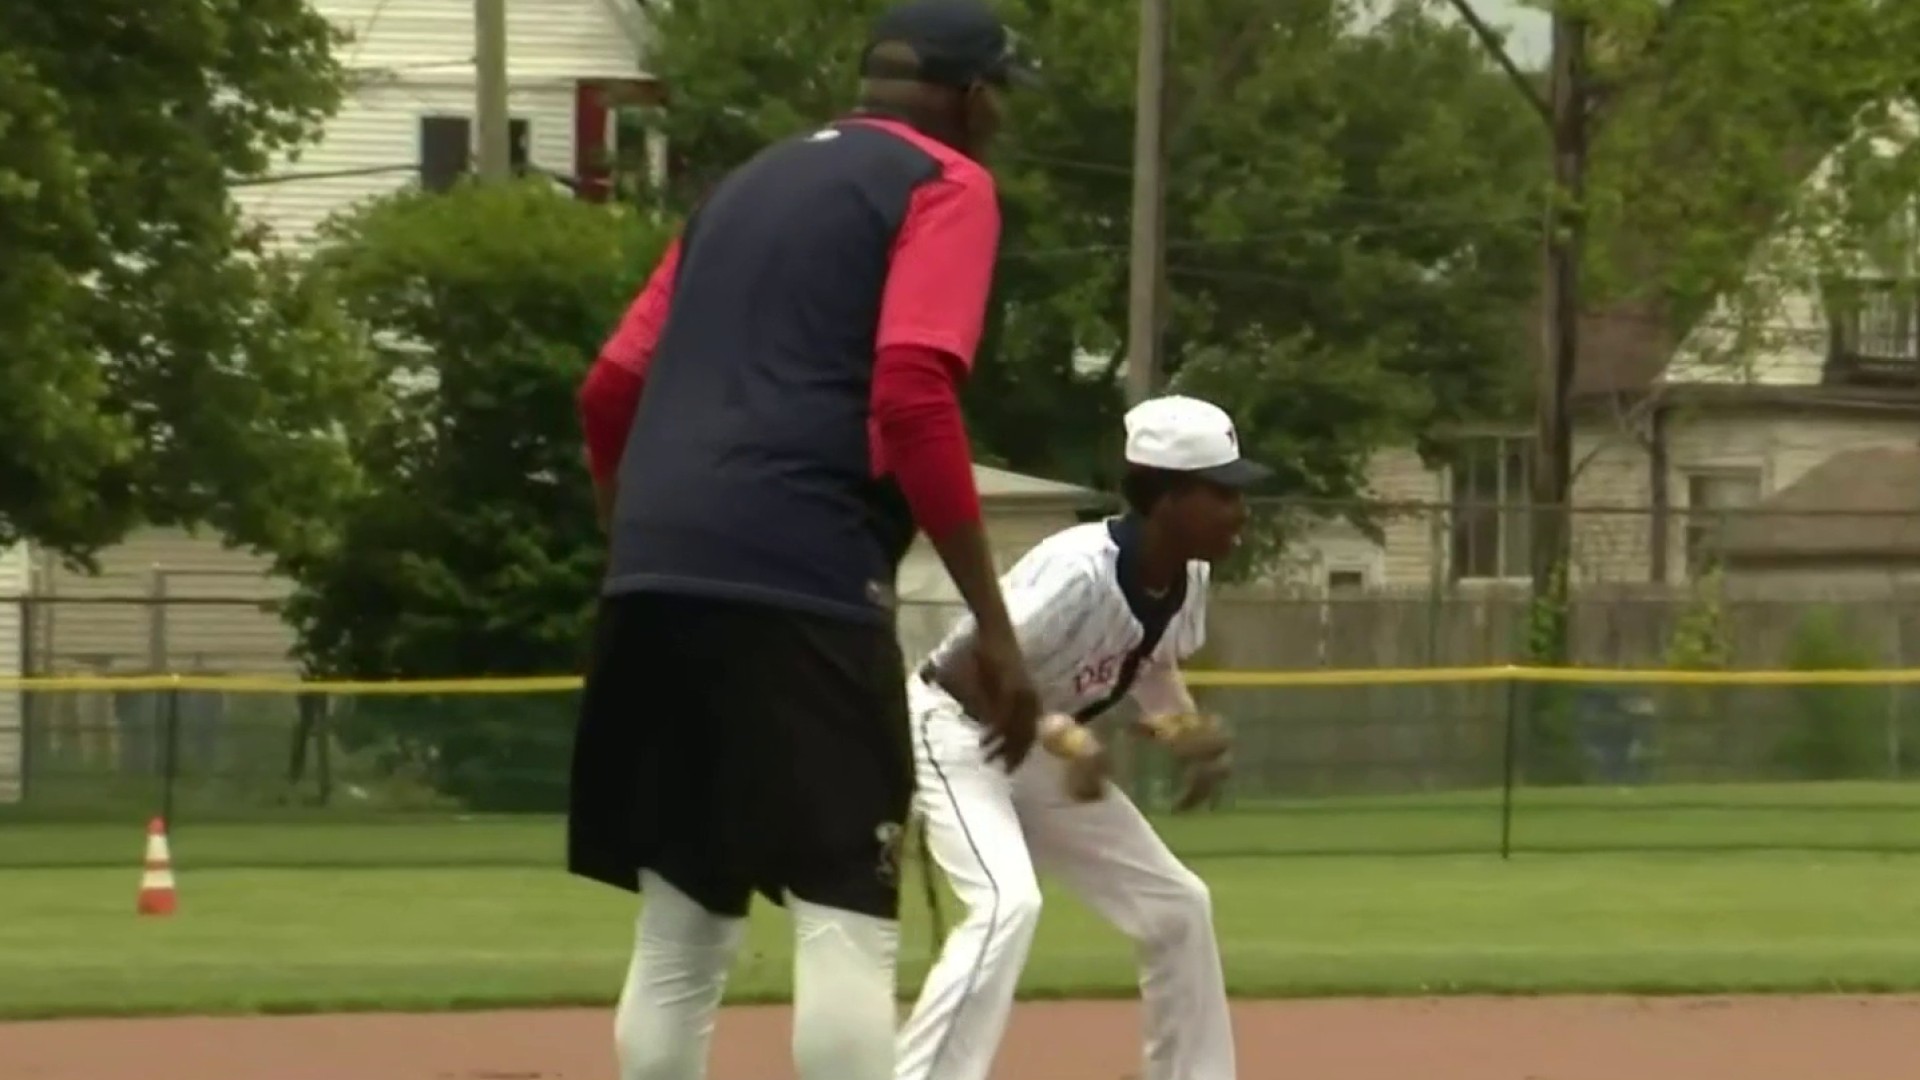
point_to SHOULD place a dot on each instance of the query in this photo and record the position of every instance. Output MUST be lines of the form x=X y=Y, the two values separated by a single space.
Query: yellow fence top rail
x=268 y=684
x=552 y=684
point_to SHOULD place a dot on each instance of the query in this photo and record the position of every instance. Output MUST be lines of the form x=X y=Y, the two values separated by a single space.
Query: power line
x=319 y=174
x=1197 y=243
x=1813 y=330
x=361 y=34
x=1188 y=270
x=1051 y=162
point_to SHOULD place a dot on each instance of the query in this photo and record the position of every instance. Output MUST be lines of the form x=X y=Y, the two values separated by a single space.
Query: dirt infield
x=1773 y=1038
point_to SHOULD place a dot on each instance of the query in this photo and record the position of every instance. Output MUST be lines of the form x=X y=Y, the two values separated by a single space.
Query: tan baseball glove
x=1189 y=736
x=1200 y=744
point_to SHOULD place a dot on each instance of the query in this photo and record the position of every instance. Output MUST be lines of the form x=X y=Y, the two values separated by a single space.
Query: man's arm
x=1044 y=608
x=932 y=313
x=611 y=393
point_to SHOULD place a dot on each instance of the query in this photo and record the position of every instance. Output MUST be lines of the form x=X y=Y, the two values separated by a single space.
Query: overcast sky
x=1527 y=30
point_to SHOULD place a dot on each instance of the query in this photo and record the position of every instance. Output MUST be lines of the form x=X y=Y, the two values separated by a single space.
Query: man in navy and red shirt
x=774 y=419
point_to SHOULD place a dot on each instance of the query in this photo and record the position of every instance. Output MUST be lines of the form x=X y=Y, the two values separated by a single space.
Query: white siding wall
x=413 y=58
x=1782 y=444
x=1784 y=346
x=13 y=585
x=118 y=623
x=552 y=39
x=1395 y=474
x=380 y=129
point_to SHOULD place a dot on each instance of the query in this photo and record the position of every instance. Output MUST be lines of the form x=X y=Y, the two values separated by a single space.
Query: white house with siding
x=1671 y=437
x=409 y=114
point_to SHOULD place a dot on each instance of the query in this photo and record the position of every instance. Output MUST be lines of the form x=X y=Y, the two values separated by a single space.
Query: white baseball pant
x=990 y=832
x=843 y=982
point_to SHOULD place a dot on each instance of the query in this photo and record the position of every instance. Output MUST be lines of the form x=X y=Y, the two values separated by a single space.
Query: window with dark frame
x=446 y=149
x=631 y=169
x=1345 y=581
x=1711 y=494
x=1491 y=524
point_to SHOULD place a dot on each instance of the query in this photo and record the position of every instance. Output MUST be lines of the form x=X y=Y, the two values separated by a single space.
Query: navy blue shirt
x=749 y=471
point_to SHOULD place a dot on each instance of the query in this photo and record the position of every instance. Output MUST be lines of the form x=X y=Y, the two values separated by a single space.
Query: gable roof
x=1004 y=487
x=1856 y=504
x=1623 y=349
x=1811 y=166
x=1628 y=347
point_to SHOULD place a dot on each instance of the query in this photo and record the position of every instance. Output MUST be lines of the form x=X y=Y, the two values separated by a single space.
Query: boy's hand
x=1088 y=766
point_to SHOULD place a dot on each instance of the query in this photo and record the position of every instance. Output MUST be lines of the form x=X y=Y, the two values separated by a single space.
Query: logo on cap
x=1185 y=434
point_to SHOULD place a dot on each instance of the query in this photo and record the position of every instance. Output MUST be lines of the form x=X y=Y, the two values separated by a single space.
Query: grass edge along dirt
x=289 y=941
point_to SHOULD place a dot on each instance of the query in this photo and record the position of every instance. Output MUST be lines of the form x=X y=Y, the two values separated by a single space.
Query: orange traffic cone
x=156 y=881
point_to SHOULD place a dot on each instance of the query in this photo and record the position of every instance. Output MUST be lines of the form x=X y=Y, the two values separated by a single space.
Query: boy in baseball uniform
x=1103 y=611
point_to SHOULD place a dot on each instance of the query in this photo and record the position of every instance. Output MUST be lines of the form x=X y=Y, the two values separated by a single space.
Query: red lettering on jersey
x=1102 y=671
x=1098 y=673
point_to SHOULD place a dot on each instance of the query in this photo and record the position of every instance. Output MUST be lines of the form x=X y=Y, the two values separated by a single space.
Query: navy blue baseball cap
x=954 y=43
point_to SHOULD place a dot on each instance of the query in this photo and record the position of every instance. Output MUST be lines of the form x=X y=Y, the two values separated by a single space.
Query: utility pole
x=1567 y=111
x=494 y=132
x=1146 y=295
x=1569 y=100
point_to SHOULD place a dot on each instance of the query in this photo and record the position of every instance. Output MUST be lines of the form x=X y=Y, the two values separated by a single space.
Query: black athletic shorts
x=735 y=748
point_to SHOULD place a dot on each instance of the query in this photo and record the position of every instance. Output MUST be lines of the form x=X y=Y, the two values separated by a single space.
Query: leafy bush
x=1551 y=750
x=1836 y=732
x=505 y=753
x=1690 y=717
x=471 y=549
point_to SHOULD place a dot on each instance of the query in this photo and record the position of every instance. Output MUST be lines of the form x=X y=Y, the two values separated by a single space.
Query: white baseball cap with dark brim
x=1187 y=435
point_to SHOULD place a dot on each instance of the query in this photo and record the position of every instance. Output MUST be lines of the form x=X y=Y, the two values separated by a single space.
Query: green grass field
x=1865 y=817
x=381 y=915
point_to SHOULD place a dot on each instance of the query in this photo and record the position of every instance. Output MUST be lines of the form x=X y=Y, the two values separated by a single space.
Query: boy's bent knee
x=1013 y=913
x=1182 y=909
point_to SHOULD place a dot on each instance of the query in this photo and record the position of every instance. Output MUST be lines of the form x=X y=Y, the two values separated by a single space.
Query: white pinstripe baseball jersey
x=1073 y=621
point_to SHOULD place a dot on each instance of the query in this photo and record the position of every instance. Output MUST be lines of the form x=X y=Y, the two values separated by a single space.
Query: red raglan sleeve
x=610 y=394
x=931 y=319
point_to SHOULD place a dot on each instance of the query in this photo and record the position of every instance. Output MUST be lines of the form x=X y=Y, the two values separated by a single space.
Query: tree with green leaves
x=1685 y=135
x=1353 y=214
x=159 y=368
x=471 y=548
x=1708 y=119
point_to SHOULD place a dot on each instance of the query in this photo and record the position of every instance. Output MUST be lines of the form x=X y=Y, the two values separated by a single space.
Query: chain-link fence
x=1379 y=760
x=1354 y=762
x=1352 y=585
